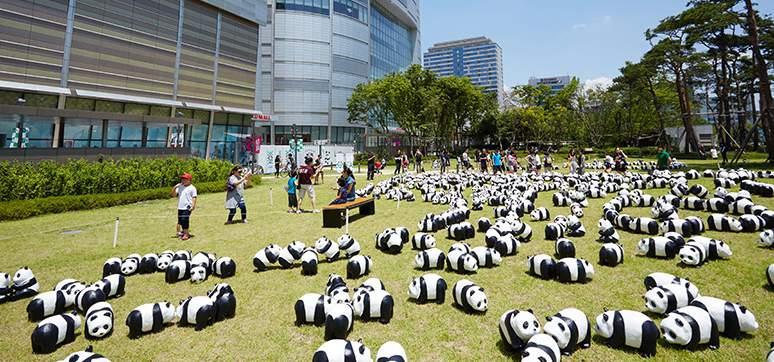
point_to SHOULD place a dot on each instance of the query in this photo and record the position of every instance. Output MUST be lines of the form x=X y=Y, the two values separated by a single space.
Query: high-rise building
x=198 y=77
x=555 y=83
x=479 y=59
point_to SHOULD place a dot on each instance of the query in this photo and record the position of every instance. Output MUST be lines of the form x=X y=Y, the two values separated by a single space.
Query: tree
x=766 y=102
x=369 y=106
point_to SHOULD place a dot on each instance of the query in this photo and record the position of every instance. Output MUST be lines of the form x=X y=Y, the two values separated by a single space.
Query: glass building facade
x=479 y=59
x=392 y=44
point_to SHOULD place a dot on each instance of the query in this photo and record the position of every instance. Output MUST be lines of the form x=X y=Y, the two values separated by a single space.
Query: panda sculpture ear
x=530 y=310
x=548 y=319
x=605 y=308
x=90 y=348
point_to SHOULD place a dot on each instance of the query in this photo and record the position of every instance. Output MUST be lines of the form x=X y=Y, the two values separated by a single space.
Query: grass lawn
x=75 y=244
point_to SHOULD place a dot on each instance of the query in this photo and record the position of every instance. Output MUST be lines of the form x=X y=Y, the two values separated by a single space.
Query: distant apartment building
x=555 y=83
x=479 y=59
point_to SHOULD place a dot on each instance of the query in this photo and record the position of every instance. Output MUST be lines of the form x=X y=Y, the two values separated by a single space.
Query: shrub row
x=31 y=180
x=22 y=209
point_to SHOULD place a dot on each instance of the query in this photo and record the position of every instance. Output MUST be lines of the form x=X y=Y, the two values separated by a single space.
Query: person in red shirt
x=305 y=187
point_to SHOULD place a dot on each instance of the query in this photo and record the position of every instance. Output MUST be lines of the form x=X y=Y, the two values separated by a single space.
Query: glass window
x=351 y=9
x=310 y=6
x=81 y=133
x=392 y=44
x=124 y=134
x=8 y=125
x=199 y=140
x=203 y=116
x=157 y=135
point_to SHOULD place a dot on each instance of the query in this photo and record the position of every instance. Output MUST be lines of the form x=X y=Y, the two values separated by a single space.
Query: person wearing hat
x=235 y=194
x=186 y=203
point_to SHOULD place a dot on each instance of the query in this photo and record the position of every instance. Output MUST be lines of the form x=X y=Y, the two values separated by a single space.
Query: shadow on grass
x=429 y=302
x=599 y=340
x=768 y=287
x=507 y=351
x=463 y=310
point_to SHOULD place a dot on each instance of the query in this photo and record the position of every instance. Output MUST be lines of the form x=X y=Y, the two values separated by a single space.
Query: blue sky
x=589 y=39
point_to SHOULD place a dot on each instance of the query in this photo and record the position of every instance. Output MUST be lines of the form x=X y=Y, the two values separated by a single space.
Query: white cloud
x=601 y=83
x=580 y=26
x=607 y=19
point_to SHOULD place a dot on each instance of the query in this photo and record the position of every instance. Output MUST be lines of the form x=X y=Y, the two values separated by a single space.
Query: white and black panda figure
x=575 y=227
x=47 y=304
x=644 y=225
x=204 y=259
x=657 y=247
x=770 y=275
x=486 y=257
x=24 y=284
x=339 y=320
x=182 y=255
x=69 y=286
x=310 y=309
x=690 y=327
x=403 y=232
x=325 y=246
x=198 y=273
x=309 y=262
x=541 y=348
x=165 y=258
x=266 y=256
x=285 y=258
x=295 y=248
x=658 y=279
x=337 y=289
x=359 y=266
x=198 y=311
x=87 y=355
x=720 y=222
x=564 y=248
x=377 y=304
x=340 y=350
x=113 y=286
x=699 y=191
x=517 y=327
x=667 y=298
x=461 y=262
x=484 y=224
x=423 y=241
x=55 y=331
x=430 y=259
x=540 y=214
x=428 y=287
x=542 y=265
x=507 y=245
x=177 y=270
x=576 y=210
x=223 y=298
x=111 y=266
x=391 y=352
x=89 y=296
x=389 y=242
x=148 y=263
x=693 y=254
x=572 y=270
x=463 y=246
x=680 y=226
x=130 y=264
x=224 y=267
x=697 y=223
x=149 y=318
x=560 y=200
x=752 y=223
x=98 y=321
x=766 y=238
x=611 y=254
x=732 y=319
x=570 y=328
x=349 y=245
x=716 y=249
x=369 y=285
x=628 y=328
x=554 y=231
x=461 y=231
x=607 y=233
x=770 y=355
x=469 y=297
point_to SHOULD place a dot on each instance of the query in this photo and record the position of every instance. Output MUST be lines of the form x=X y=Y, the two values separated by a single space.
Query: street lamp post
x=295 y=145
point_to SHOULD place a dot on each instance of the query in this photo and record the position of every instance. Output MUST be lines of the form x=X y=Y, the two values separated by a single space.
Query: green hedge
x=23 y=209
x=28 y=180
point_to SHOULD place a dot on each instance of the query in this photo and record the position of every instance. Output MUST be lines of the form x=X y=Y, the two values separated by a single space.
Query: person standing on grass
x=465 y=160
x=497 y=162
x=573 y=161
x=663 y=159
x=548 y=161
x=483 y=159
x=186 y=204
x=235 y=194
x=277 y=162
x=398 y=162
x=444 y=160
x=305 y=174
x=318 y=169
x=291 y=188
x=371 y=166
x=581 y=162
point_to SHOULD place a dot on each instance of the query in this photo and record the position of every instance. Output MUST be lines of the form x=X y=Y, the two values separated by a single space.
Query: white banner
x=329 y=154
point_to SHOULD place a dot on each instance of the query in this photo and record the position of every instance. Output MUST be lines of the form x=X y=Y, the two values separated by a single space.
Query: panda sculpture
x=223 y=298
x=327 y=247
x=71 y=287
x=24 y=284
x=607 y=233
x=570 y=328
x=198 y=311
x=148 y=263
x=517 y=327
x=423 y=241
x=428 y=287
x=342 y=350
x=47 y=304
x=693 y=254
x=484 y=224
x=87 y=355
x=572 y=270
x=389 y=241
x=98 y=321
x=369 y=285
x=611 y=254
x=285 y=258
x=113 y=285
x=55 y=331
x=667 y=298
x=177 y=270
x=391 y=352
x=770 y=275
x=542 y=265
x=461 y=261
x=564 y=248
x=310 y=309
x=720 y=222
x=111 y=266
x=165 y=258
x=555 y=231
x=541 y=347
x=732 y=319
x=430 y=259
x=358 y=266
x=339 y=320
x=690 y=327
x=182 y=255
x=224 y=267
x=766 y=238
x=337 y=289
x=198 y=273
x=469 y=296
x=266 y=256
x=540 y=214
x=486 y=257
x=716 y=249
x=88 y=297
x=659 y=279
x=461 y=231
x=657 y=247
x=628 y=328
x=295 y=248
x=130 y=264
x=149 y=318
x=348 y=245
x=377 y=304
x=309 y=262
x=507 y=245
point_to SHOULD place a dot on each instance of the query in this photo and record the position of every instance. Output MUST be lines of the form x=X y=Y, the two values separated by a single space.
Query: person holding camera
x=186 y=204
x=235 y=194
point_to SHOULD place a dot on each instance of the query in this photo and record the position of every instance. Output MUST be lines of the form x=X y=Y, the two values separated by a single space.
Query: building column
x=68 y=42
x=178 y=51
x=209 y=137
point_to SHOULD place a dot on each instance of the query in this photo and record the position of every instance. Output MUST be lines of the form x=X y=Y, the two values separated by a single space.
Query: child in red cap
x=186 y=203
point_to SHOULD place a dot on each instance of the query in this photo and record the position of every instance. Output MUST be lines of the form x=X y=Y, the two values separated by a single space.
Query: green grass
x=264 y=324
